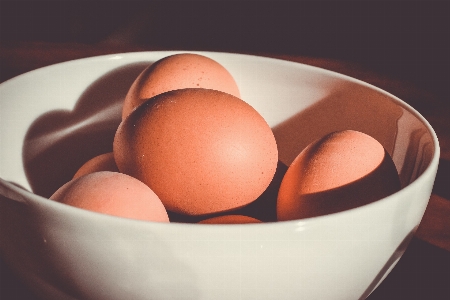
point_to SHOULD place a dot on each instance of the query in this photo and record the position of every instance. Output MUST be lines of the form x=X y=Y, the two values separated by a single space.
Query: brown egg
x=230 y=219
x=113 y=193
x=340 y=171
x=201 y=151
x=102 y=162
x=178 y=71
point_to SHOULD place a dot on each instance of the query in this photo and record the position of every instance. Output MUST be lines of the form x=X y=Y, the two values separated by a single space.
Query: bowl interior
x=56 y=118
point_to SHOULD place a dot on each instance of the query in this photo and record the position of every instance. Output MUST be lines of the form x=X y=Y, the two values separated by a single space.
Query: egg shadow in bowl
x=347 y=107
x=263 y=208
x=58 y=142
x=350 y=107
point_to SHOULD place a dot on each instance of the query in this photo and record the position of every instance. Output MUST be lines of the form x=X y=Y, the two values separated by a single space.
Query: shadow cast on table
x=391 y=262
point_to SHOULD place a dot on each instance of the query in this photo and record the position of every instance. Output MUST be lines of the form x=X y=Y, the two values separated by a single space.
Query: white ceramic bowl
x=52 y=118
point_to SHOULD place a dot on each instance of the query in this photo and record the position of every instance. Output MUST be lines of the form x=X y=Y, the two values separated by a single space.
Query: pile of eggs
x=189 y=145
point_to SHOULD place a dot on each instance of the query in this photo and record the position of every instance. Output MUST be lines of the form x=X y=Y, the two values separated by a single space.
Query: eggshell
x=230 y=219
x=113 y=193
x=178 y=71
x=201 y=151
x=102 y=162
x=340 y=171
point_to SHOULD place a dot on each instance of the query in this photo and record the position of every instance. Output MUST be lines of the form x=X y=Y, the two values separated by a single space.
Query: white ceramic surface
x=65 y=253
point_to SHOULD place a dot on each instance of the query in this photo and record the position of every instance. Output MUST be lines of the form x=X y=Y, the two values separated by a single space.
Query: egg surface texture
x=178 y=71
x=200 y=150
x=102 y=162
x=230 y=219
x=340 y=171
x=113 y=193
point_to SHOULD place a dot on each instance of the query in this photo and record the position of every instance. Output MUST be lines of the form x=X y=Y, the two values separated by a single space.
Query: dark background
x=405 y=40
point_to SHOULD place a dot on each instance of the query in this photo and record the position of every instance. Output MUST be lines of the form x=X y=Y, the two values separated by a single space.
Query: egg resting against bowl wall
x=337 y=172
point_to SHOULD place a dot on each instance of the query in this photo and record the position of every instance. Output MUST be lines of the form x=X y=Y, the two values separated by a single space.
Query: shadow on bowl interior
x=60 y=141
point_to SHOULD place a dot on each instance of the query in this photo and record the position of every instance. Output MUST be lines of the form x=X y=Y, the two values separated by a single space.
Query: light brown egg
x=178 y=71
x=114 y=194
x=340 y=171
x=230 y=219
x=102 y=162
x=201 y=151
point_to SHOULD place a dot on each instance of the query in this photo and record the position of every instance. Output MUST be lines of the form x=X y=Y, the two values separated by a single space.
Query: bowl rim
x=27 y=197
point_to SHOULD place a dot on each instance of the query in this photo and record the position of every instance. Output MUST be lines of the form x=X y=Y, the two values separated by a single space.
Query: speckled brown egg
x=178 y=71
x=340 y=171
x=230 y=219
x=114 y=194
x=102 y=162
x=201 y=151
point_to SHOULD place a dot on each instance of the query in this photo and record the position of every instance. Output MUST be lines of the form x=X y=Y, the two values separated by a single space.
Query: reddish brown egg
x=230 y=219
x=102 y=162
x=113 y=193
x=200 y=150
x=178 y=71
x=340 y=171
